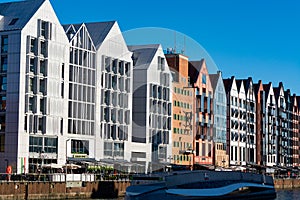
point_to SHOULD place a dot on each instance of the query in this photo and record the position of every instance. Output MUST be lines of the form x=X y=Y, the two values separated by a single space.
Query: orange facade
x=203 y=142
x=182 y=134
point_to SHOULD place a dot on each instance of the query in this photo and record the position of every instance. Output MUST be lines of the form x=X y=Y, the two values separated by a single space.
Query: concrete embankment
x=49 y=190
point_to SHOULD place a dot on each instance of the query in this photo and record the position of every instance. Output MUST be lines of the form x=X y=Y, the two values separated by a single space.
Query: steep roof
x=277 y=90
x=228 y=83
x=239 y=84
x=267 y=88
x=97 y=30
x=143 y=54
x=214 y=80
x=256 y=86
x=194 y=69
x=15 y=15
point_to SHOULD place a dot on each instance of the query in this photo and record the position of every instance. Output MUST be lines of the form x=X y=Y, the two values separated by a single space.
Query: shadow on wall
x=106 y=189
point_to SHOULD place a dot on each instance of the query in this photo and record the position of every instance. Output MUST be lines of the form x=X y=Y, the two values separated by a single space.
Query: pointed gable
x=81 y=38
x=98 y=31
x=143 y=54
x=194 y=70
x=258 y=87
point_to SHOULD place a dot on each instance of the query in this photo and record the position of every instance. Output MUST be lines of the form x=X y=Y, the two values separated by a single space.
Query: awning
x=71 y=166
x=52 y=166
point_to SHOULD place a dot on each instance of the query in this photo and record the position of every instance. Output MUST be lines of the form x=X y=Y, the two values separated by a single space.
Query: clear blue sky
x=244 y=38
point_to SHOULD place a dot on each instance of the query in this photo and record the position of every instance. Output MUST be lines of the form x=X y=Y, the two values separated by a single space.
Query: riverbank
x=86 y=190
x=61 y=190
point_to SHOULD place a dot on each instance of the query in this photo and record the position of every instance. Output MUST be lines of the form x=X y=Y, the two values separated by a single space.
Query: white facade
x=36 y=51
x=270 y=140
x=237 y=122
x=151 y=133
x=55 y=84
x=251 y=122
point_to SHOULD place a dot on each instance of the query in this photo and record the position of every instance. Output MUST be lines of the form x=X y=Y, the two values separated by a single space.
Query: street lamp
x=66 y=157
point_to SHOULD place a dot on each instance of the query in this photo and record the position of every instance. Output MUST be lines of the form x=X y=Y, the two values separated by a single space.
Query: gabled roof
x=256 y=86
x=97 y=30
x=143 y=54
x=239 y=84
x=194 y=69
x=277 y=90
x=228 y=83
x=246 y=83
x=214 y=80
x=17 y=14
x=267 y=88
x=298 y=100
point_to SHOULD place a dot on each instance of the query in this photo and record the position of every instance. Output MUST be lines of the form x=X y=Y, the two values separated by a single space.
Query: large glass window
x=35 y=144
x=4 y=44
x=50 y=145
x=3 y=83
x=2 y=103
x=80 y=147
x=3 y=64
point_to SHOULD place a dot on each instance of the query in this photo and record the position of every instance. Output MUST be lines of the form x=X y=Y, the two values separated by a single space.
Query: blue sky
x=244 y=38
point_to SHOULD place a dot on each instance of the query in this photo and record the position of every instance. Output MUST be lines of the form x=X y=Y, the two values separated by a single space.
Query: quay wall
x=85 y=190
x=58 y=190
x=286 y=183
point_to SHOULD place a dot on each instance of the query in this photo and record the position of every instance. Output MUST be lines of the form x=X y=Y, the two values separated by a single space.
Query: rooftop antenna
x=183 y=50
x=174 y=41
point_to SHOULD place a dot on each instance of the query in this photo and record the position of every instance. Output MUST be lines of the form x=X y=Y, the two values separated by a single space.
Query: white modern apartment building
x=152 y=98
x=66 y=91
x=34 y=61
x=99 y=118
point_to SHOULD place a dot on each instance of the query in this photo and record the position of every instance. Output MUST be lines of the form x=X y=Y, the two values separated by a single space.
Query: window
x=3 y=64
x=50 y=145
x=2 y=103
x=3 y=83
x=118 y=149
x=108 y=149
x=35 y=144
x=62 y=89
x=42 y=106
x=32 y=45
x=43 y=28
x=43 y=67
x=43 y=48
x=31 y=103
x=4 y=44
x=13 y=21
x=2 y=123
x=61 y=125
x=2 y=143
x=80 y=147
x=42 y=86
x=31 y=82
x=62 y=71
x=203 y=79
x=31 y=65
x=40 y=124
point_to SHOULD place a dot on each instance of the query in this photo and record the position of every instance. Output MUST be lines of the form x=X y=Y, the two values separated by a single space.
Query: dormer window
x=13 y=21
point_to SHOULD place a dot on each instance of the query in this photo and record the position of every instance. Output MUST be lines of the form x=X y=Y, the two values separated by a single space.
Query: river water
x=288 y=194
x=281 y=195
